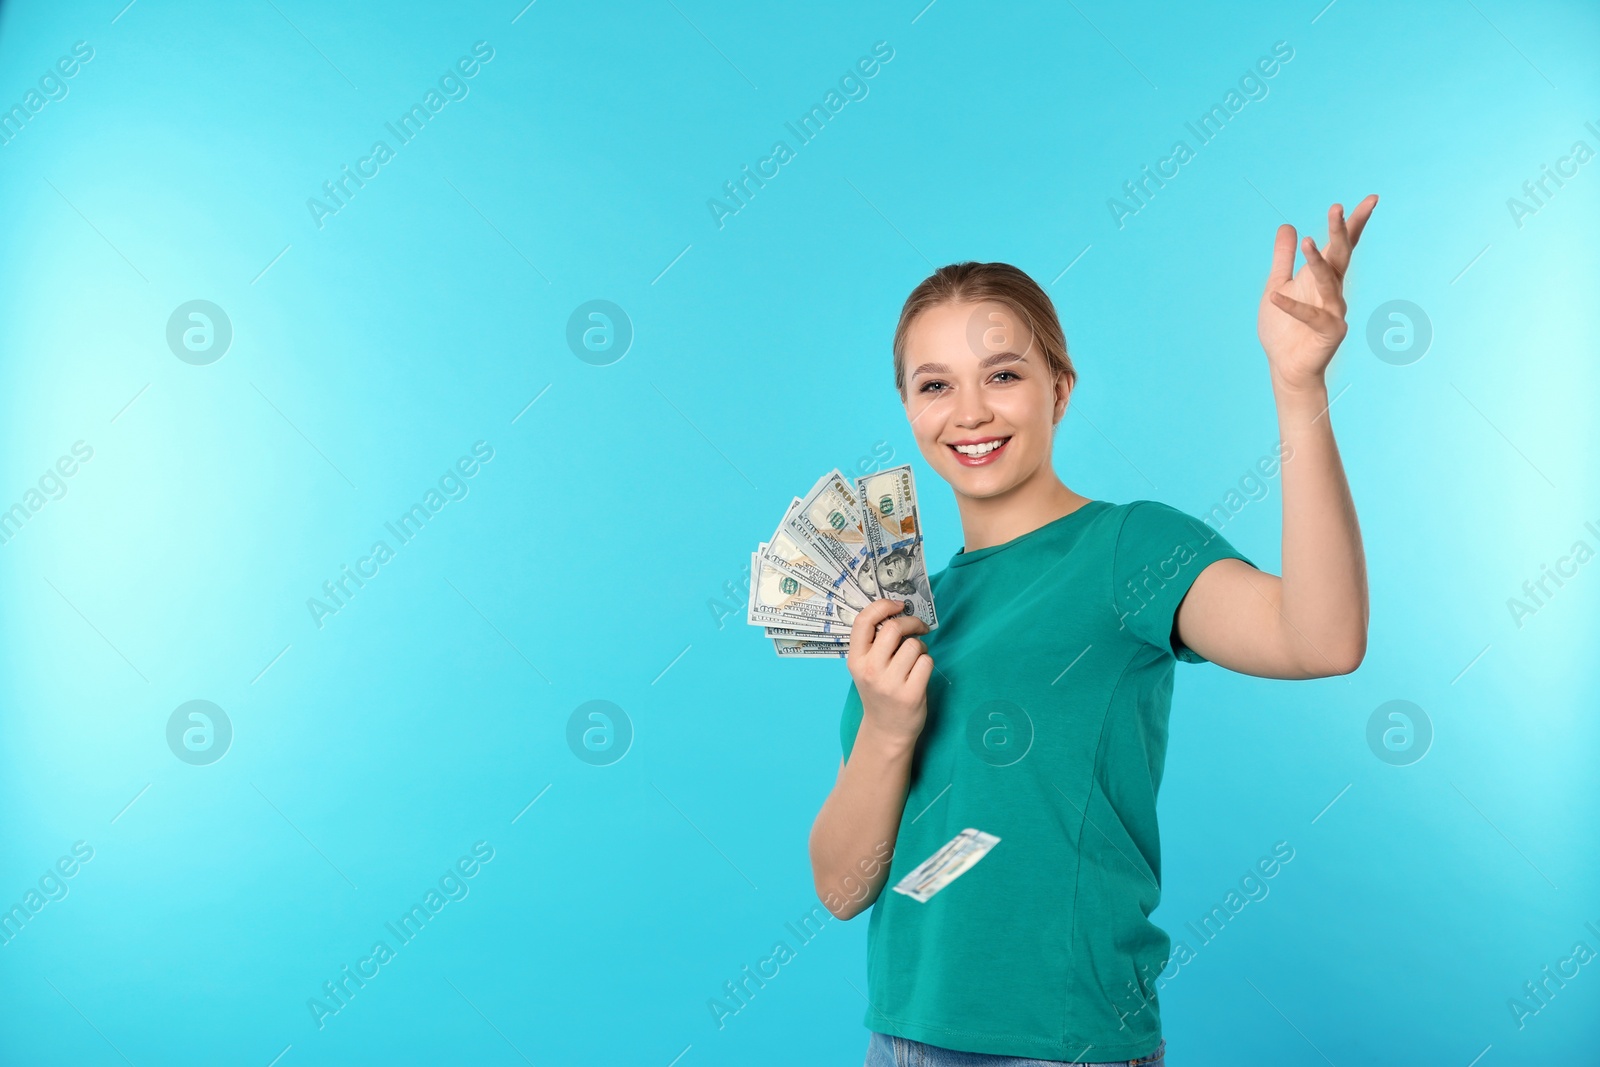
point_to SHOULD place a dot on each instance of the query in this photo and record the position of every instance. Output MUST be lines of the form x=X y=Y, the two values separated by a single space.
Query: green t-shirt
x=1047 y=728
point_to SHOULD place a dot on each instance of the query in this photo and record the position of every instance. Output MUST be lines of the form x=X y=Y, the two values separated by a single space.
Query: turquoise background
x=588 y=557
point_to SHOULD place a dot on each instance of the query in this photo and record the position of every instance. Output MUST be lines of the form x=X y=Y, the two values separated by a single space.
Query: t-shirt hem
x=994 y=1044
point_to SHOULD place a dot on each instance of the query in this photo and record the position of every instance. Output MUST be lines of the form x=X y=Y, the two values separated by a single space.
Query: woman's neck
x=989 y=521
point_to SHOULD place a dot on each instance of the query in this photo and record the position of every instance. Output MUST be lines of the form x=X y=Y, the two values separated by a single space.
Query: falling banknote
x=838 y=548
x=946 y=865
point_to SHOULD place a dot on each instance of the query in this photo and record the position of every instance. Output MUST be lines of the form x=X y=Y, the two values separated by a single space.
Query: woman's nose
x=971 y=408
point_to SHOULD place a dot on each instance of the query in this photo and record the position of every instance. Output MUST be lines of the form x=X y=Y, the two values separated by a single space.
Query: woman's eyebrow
x=988 y=361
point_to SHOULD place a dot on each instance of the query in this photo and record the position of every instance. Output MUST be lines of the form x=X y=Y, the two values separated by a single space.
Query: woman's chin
x=980 y=483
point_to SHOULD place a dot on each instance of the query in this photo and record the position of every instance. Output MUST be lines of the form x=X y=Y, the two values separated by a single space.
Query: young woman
x=1036 y=711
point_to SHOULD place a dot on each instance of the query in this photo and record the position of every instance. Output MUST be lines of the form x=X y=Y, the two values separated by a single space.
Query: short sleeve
x=850 y=720
x=1160 y=552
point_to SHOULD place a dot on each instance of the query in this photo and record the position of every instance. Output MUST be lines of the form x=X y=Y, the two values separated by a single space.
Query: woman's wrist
x=1300 y=400
x=887 y=745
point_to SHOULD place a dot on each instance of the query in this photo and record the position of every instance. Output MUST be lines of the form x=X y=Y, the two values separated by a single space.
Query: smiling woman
x=1061 y=619
x=992 y=406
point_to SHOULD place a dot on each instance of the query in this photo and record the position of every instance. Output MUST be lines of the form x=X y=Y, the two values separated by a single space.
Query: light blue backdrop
x=374 y=346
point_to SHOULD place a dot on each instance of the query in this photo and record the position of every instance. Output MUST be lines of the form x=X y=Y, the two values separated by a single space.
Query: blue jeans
x=885 y=1050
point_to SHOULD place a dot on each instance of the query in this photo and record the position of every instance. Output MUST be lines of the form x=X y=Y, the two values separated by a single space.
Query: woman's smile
x=978 y=451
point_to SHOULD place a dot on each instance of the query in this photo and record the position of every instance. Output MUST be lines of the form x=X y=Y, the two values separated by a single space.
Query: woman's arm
x=852 y=839
x=1311 y=622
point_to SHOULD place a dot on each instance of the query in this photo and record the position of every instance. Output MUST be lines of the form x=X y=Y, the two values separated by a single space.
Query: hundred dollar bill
x=837 y=636
x=791 y=557
x=789 y=647
x=808 y=628
x=828 y=519
x=946 y=865
x=893 y=530
x=778 y=599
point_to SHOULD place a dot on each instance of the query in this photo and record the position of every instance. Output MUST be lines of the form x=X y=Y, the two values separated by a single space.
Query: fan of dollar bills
x=840 y=547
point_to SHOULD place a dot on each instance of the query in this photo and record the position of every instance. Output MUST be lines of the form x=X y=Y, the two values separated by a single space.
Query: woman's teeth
x=980 y=450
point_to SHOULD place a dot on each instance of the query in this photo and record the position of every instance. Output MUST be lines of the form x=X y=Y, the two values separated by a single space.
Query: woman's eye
x=928 y=386
x=1012 y=373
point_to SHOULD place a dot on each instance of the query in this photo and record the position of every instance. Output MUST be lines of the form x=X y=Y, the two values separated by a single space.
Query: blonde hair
x=972 y=282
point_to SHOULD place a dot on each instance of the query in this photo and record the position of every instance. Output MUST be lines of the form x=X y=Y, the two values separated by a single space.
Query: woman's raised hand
x=1301 y=318
x=891 y=669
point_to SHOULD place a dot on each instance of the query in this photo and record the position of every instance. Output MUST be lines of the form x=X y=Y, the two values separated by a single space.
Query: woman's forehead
x=950 y=336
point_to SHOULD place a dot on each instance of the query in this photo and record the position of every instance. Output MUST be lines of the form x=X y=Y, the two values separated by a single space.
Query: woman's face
x=975 y=380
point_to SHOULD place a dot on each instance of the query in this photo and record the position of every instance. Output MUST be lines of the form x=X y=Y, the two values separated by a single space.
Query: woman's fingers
x=1319 y=319
x=863 y=630
x=921 y=671
x=1359 y=217
x=1343 y=233
x=891 y=636
x=1323 y=272
x=878 y=630
x=905 y=657
x=1282 y=257
x=1338 y=253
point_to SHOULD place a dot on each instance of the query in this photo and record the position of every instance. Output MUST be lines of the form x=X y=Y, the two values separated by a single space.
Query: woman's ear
x=1063 y=395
